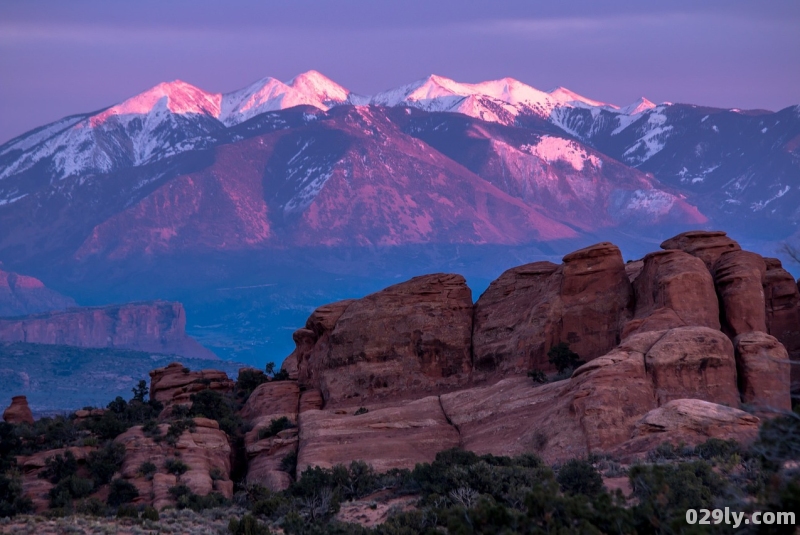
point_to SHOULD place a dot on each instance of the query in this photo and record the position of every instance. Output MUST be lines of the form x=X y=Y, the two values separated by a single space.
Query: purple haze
x=58 y=58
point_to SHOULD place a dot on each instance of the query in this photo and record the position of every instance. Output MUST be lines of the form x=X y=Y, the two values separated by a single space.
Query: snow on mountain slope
x=565 y=96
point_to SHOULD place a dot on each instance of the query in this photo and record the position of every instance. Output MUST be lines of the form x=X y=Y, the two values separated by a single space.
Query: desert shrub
x=360 y=411
x=91 y=507
x=12 y=500
x=281 y=375
x=176 y=467
x=271 y=504
x=215 y=406
x=715 y=448
x=778 y=440
x=148 y=469
x=289 y=462
x=177 y=428
x=46 y=434
x=150 y=513
x=186 y=499
x=247 y=381
x=69 y=488
x=59 y=467
x=216 y=474
x=103 y=463
x=275 y=426
x=247 y=525
x=10 y=445
x=578 y=476
x=120 y=492
x=127 y=511
x=563 y=358
x=140 y=391
x=538 y=376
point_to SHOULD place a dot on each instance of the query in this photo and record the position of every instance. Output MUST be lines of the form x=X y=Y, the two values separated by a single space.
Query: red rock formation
x=396 y=343
x=268 y=402
x=708 y=246
x=674 y=289
x=314 y=339
x=174 y=384
x=37 y=488
x=783 y=312
x=689 y=422
x=396 y=436
x=739 y=277
x=156 y=326
x=764 y=370
x=21 y=295
x=18 y=412
x=204 y=449
x=530 y=308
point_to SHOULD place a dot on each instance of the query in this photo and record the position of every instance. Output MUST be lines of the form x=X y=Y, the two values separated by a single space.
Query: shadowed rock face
x=156 y=326
x=21 y=295
x=739 y=279
x=764 y=371
x=530 y=308
x=783 y=312
x=397 y=343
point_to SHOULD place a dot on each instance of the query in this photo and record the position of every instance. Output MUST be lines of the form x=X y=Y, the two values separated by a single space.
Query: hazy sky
x=62 y=57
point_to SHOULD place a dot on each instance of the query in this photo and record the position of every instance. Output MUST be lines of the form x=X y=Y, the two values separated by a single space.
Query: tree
x=270 y=368
x=140 y=391
x=563 y=358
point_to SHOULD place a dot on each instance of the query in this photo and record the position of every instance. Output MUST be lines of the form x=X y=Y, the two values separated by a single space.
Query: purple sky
x=59 y=58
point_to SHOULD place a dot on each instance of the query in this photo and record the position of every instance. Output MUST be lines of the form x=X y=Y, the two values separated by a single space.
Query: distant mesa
x=21 y=295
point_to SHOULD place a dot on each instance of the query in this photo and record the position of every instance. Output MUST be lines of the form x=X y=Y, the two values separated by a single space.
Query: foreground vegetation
x=458 y=493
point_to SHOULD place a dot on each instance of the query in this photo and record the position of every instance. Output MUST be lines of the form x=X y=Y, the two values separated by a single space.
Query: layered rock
x=204 y=449
x=674 y=289
x=158 y=327
x=175 y=384
x=18 y=412
x=782 y=300
x=21 y=295
x=688 y=422
x=739 y=277
x=531 y=308
x=764 y=370
x=396 y=436
x=268 y=402
x=706 y=245
x=313 y=341
x=397 y=343
x=31 y=466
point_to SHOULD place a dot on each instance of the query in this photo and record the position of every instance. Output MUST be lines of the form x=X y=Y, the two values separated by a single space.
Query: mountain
x=21 y=295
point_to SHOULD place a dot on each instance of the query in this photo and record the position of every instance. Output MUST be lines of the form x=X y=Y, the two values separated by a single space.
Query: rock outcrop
x=21 y=295
x=268 y=402
x=157 y=326
x=175 y=384
x=531 y=308
x=706 y=245
x=397 y=343
x=739 y=279
x=18 y=412
x=674 y=289
x=764 y=371
x=782 y=299
x=204 y=449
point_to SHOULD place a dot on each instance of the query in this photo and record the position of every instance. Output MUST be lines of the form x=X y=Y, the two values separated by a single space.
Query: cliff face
x=156 y=326
x=21 y=295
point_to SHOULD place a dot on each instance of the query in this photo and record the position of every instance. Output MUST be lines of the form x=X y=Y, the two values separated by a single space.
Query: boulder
x=763 y=371
x=688 y=422
x=528 y=309
x=707 y=245
x=693 y=362
x=18 y=412
x=739 y=277
x=396 y=436
x=314 y=339
x=204 y=449
x=174 y=384
x=674 y=289
x=782 y=300
x=395 y=344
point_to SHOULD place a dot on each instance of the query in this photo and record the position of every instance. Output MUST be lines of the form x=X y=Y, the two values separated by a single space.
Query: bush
x=538 y=376
x=248 y=380
x=176 y=467
x=215 y=406
x=127 y=511
x=12 y=500
x=578 y=476
x=289 y=462
x=120 y=492
x=360 y=411
x=186 y=499
x=59 y=467
x=563 y=358
x=105 y=462
x=248 y=525
x=148 y=469
x=150 y=513
x=91 y=507
x=69 y=488
x=715 y=448
x=275 y=426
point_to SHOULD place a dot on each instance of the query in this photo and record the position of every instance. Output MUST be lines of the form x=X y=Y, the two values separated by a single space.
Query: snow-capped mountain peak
x=565 y=96
x=641 y=104
x=318 y=86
